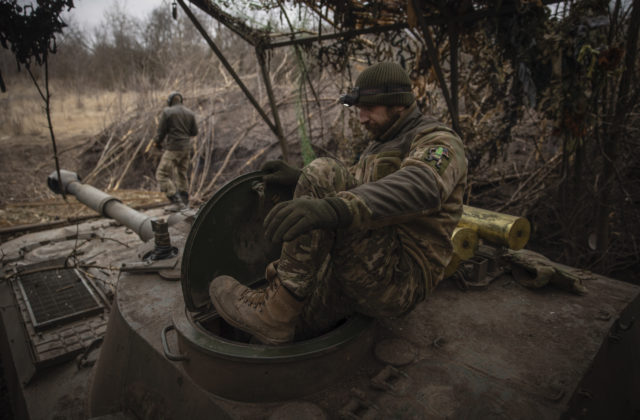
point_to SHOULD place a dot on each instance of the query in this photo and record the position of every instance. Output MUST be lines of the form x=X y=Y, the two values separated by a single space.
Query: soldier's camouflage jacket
x=413 y=176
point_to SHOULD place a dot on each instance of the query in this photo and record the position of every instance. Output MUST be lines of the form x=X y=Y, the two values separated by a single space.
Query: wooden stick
x=128 y=165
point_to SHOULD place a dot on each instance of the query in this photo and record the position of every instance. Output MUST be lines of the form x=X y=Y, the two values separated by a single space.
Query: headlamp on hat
x=350 y=98
x=383 y=83
x=356 y=94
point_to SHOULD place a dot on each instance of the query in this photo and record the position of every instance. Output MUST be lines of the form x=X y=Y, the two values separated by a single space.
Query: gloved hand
x=290 y=219
x=279 y=172
x=158 y=145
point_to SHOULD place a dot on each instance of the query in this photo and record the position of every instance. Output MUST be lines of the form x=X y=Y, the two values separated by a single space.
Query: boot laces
x=258 y=297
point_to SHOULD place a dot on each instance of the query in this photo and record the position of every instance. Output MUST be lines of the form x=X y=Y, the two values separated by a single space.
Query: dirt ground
x=25 y=162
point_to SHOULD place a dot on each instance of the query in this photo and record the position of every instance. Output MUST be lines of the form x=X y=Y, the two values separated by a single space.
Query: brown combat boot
x=269 y=314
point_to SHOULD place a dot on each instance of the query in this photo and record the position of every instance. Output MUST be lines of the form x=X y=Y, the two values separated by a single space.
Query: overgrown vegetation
x=545 y=97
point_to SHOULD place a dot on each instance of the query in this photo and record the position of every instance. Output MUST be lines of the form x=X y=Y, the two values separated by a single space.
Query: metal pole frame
x=276 y=127
x=262 y=43
x=260 y=53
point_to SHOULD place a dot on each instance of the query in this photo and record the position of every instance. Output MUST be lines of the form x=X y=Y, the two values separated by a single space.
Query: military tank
x=111 y=319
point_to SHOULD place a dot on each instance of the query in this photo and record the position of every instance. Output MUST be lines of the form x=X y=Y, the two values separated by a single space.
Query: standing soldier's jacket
x=414 y=177
x=177 y=123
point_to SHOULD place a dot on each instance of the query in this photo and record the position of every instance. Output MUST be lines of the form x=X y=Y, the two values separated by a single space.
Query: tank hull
x=505 y=351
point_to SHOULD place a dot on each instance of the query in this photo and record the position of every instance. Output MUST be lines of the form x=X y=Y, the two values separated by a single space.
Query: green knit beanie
x=384 y=84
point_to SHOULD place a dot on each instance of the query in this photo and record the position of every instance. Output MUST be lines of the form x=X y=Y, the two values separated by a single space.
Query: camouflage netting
x=543 y=93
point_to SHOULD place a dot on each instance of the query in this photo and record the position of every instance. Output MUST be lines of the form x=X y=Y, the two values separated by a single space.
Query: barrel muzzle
x=60 y=185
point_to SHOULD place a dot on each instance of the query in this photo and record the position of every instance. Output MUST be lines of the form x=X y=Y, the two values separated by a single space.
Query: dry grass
x=74 y=113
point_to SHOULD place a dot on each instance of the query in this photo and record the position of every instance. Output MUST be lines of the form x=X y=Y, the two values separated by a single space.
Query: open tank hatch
x=227 y=238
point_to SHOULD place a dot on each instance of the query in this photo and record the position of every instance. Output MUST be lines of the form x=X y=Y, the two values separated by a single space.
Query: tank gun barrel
x=101 y=202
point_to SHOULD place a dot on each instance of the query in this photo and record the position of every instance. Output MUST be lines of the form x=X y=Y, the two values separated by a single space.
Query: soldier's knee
x=322 y=165
x=324 y=175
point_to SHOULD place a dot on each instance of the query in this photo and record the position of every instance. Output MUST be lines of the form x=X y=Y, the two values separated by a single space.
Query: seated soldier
x=374 y=238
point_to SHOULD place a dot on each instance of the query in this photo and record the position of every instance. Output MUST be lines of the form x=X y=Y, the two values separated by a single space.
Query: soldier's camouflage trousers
x=346 y=272
x=171 y=173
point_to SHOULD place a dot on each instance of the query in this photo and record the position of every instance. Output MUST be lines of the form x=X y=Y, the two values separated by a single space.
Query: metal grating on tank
x=57 y=296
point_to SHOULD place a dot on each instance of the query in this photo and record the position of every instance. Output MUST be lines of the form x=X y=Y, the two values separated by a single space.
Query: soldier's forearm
x=396 y=198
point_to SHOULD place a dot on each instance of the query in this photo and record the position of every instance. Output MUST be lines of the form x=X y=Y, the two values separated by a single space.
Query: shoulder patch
x=438 y=157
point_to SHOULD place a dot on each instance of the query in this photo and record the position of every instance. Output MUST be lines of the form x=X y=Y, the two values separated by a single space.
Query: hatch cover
x=56 y=296
x=227 y=237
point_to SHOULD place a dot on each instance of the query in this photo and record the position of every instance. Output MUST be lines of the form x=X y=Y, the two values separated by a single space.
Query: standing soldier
x=374 y=238
x=177 y=125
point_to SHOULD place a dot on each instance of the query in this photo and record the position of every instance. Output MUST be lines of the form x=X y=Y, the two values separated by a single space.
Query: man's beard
x=378 y=129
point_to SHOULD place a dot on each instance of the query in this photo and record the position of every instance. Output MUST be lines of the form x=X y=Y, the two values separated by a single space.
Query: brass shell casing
x=465 y=245
x=497 y=228
x=465 y=242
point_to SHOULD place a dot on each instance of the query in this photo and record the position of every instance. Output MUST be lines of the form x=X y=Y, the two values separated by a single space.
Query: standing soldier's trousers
x=346 y=272
x=171 y=173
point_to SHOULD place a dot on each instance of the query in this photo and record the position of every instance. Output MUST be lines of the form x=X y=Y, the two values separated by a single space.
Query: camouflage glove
x=288 y=220
x=279 y=172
